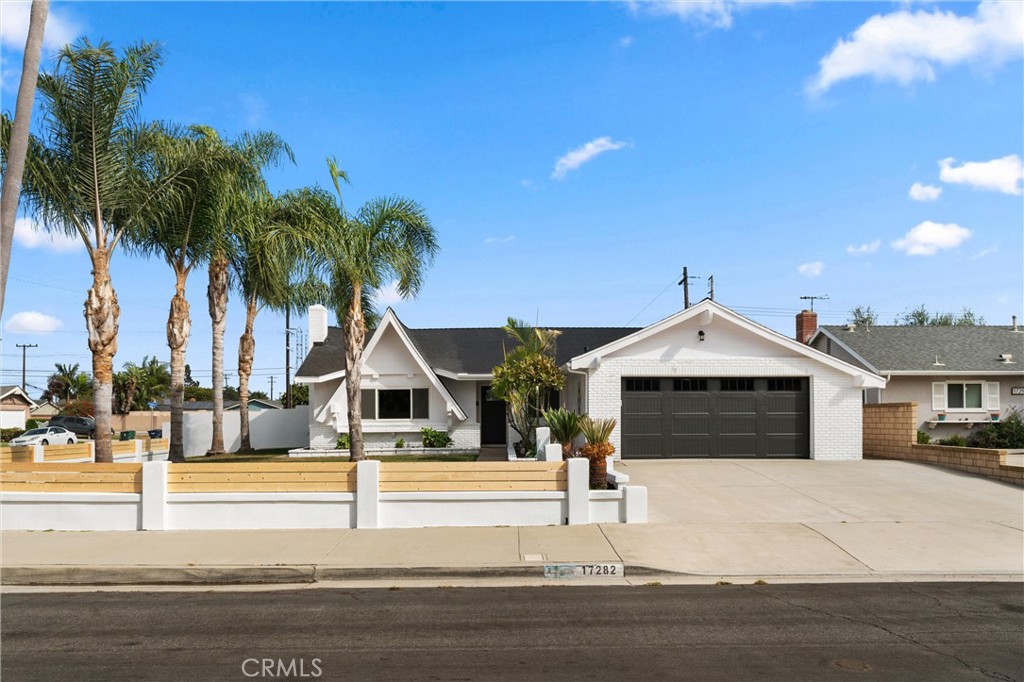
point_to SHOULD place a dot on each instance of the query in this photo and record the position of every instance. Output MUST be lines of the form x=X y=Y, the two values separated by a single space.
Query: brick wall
x=890 y=432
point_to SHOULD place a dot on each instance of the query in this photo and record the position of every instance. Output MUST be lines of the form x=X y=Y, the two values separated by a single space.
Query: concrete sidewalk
x=710 y=520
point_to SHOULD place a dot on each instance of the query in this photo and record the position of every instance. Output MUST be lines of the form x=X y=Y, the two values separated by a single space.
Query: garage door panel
x=690 y=404
x=737 y=404
x=690 y=426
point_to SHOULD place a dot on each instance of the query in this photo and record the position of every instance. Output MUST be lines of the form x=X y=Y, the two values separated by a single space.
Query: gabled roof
x=16 y=390
x=706 y=311
x=904 y=349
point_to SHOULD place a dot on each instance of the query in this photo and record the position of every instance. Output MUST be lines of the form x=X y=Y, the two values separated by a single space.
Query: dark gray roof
x=228 y=404
x=474 y=350
x=914 y=348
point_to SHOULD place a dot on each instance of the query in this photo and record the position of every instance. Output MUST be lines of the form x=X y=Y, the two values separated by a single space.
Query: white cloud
x=32 y=322
x=812 y=269
x=928 y=238
x=907 y=46
x=500 y=240
x=625 y=41
x=253 y=108
x=870 y=247
x=526 y=182
x=920 y=192
x=1000 y=175
x=388 y=295
x=710 y=13
x=31 y=236
x=985 y=252
x=60 y=27
x=581 y=155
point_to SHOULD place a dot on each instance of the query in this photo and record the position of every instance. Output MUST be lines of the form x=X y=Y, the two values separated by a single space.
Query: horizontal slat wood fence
x=280 y=477
x=468 y=476
x=123 y=447
x=155 y=444
x=56 y=453
x=16 y=454
x=85 y=477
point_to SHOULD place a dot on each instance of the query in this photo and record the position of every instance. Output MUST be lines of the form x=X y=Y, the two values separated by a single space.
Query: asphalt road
x=947 y=631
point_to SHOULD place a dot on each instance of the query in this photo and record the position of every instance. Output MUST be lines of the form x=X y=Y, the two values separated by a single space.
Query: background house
x=14 y=407
x=704 y=382
x=958 y=376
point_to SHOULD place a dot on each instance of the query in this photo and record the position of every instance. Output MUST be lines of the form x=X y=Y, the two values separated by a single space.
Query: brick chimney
x=806 y=325
x=317 y=324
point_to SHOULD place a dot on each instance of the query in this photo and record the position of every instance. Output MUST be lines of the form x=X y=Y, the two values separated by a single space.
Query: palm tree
x=156 y=381
x=182 y=230
x=86 y=176
x=389 y=239
x=67 y=376
x=257 y=151
x=11 y=191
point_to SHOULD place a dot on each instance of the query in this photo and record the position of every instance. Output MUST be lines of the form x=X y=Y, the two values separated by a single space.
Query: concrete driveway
x=800 y=517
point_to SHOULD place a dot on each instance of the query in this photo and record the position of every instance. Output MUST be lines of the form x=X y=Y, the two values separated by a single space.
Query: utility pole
x=24 y=347
x=711 y=287
x=271 y=386
x=685 y=282
x=287 y=359
x=812 y=299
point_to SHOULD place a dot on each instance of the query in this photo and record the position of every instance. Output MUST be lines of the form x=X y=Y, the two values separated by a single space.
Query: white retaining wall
x=156 y=509
x=267 y=429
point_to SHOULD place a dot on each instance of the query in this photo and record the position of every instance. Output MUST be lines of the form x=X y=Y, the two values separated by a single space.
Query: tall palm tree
x=155 y=383
x=389 y=239
x=257 y=151
x=182 y=230
x=86 y=176
x=15 y=160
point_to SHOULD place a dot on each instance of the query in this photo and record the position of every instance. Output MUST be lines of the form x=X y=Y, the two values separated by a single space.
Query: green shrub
x=923 y=438
x=1006 y=434
x=7 y=434
x=435 y=439
x=400 y=443
x=955 y=441
x=31 y=424
x=344 y=442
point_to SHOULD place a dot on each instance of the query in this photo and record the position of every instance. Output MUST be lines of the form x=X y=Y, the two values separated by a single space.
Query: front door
x=492 y=418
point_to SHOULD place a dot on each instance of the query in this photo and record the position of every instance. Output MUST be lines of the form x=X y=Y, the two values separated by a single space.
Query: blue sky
x=575 y=156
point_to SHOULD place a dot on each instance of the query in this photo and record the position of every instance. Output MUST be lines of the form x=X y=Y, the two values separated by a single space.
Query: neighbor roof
x=902 y=349
x=473 y=350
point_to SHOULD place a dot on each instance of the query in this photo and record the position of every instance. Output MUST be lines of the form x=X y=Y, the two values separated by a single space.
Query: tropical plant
x=15 y=159
x=257 y=151
x=298 y=395
x=432 y=438
x=87 y=175
x=525 y=380
x=344 y=442
x=597 y=449
x=390 y=239
x=566 y=426
x=923 y=437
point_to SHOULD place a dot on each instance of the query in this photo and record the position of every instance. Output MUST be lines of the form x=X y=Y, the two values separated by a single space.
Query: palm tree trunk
x=217 y=298
x=18 y=148
x=178 y=327
x=101 y=316
x=355 y=334
x=246 y=351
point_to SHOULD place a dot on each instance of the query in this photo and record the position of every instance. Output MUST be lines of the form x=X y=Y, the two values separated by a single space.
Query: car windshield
x=34 y=432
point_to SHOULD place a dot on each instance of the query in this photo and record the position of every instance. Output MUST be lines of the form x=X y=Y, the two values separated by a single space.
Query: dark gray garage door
x=726 y=417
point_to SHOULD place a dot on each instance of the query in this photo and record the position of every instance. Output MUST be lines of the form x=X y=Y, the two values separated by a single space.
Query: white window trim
x=989 y=393
x=396 y=420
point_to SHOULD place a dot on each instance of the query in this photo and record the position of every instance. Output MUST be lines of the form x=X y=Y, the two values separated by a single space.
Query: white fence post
x=154 y=495
x=635 y=499
x=552 y=452
x=138 y=450
x=367 y=493
x=543 y=438
x=37 y=453
x=579 y=491
x=92 y=451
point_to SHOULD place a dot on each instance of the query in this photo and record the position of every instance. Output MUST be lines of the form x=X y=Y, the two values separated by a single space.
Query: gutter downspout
x=586 y=385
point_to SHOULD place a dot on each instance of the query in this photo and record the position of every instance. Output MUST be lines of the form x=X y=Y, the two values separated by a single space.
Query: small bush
x=923 y=438
x=1002 y=435
x=435 y=439
x=7 y=434
x=344 y=442
x=31 y=424
x=400 y=443
x=955 y=441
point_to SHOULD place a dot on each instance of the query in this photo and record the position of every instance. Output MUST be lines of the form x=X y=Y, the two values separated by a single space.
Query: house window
x=396 y=403
x=689 y=384
x=737 y=384
x=963 y=396
x=643 y=384
x=783 y=384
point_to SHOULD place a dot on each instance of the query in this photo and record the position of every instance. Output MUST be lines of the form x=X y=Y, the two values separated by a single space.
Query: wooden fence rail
x=455 y=476
x=280 y=477
x=87 y=477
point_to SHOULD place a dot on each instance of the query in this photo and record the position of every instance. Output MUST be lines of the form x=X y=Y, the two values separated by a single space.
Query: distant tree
x=863 y=316
x=79 y=408
x=189 y=381
x=299 y=394
x=258 y=395
x=920 y=317
x=230 y=393
x=198 y=393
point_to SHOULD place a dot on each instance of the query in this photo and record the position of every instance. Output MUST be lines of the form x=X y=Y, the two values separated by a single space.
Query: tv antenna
x=812 y=299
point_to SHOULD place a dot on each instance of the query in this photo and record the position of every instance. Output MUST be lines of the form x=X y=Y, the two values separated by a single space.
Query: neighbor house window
x=396 y=403
x=963 y=396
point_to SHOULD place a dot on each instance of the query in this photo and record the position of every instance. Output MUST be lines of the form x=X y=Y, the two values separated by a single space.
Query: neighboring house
x=14 y=407
x=43 y=410
x=255 y=405
x=960 y=377
x=703 y=382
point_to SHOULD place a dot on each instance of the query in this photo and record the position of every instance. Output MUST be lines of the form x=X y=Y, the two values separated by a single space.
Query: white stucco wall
x=905 y=389
x=267 y=429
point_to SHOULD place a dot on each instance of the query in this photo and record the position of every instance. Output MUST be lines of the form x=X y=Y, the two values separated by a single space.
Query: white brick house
x=704 y=382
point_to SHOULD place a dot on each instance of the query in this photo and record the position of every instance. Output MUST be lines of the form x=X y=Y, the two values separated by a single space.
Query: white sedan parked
x=47 y=435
